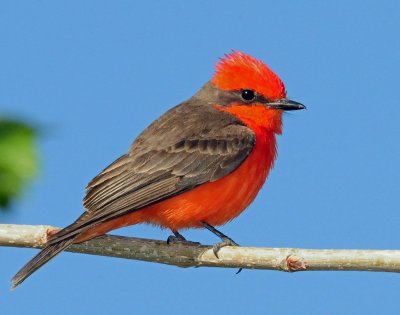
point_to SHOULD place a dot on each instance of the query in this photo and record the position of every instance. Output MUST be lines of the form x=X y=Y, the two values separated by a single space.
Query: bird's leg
x=178 y=238
x=226 y=241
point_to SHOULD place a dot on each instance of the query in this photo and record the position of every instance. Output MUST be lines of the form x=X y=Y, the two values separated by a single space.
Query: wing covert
x=170 y=157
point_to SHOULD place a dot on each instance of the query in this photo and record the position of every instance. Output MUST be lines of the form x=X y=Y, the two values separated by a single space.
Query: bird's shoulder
x=191 y=144
x=191 y=119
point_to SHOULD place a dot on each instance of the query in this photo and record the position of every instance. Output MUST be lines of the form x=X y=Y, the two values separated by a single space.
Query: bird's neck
x=260 y=119
x=265 y=123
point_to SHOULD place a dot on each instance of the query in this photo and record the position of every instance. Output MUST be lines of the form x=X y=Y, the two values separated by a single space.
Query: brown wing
x=188 y=146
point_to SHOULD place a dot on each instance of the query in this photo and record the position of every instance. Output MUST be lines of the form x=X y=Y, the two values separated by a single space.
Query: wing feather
x=168 y=158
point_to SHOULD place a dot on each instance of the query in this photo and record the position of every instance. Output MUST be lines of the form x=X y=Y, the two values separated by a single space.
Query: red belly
x=215 y=202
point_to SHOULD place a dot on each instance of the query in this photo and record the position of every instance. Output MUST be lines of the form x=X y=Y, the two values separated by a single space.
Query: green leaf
x=18 y=159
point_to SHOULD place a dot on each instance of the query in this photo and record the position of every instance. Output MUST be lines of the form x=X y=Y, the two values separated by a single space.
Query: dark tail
x=47 y=253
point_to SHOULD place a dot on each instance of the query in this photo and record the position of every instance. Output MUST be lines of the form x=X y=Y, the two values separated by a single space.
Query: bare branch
x=191 y=255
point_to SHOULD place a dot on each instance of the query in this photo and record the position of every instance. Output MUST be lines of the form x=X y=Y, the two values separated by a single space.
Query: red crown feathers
x=238 y=71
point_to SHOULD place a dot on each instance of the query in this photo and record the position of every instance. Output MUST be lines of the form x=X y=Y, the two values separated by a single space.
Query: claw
x=226 y=241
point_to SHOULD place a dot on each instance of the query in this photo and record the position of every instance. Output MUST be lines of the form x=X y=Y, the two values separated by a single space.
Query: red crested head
x=238 y=71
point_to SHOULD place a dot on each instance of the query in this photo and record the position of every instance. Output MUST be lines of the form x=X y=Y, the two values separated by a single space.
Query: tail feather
x=47 y=253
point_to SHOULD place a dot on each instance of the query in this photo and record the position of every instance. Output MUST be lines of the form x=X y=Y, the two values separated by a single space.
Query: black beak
x=286 y=104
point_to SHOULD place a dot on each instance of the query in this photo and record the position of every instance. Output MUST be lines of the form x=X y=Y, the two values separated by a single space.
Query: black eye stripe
x=262 y=99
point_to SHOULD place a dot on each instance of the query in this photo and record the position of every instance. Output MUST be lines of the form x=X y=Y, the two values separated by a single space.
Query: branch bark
x=192 y=255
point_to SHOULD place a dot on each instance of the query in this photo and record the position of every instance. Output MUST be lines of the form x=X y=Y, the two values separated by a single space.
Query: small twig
x=191 y=255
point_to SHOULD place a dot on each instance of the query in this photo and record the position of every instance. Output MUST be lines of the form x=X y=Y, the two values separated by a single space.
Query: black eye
x=248 y=95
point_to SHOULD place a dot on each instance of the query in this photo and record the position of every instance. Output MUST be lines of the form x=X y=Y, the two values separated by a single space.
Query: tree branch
x=192 y=255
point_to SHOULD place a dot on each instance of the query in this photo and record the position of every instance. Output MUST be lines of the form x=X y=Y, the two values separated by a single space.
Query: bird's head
x=247 y=88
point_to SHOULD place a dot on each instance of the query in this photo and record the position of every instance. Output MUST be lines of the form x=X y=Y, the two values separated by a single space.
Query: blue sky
x=93 y=74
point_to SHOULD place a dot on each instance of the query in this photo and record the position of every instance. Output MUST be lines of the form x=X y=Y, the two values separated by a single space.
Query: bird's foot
x=226 y=241
x=178 y=238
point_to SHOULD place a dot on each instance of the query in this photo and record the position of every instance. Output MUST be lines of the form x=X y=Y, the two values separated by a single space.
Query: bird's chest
x=232 y=194
x=248 y=179
x=222 y=200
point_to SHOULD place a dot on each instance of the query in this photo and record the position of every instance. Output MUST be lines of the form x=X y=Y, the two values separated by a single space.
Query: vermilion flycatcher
x=198 y=165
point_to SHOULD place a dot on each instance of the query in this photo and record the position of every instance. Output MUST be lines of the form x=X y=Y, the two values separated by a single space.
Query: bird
x=199 y=165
